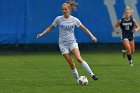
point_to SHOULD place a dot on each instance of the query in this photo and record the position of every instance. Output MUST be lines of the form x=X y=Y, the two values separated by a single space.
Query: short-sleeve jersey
x=66 y=28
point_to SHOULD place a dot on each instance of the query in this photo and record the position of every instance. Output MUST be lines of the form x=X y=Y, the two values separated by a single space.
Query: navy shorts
x=130 y=37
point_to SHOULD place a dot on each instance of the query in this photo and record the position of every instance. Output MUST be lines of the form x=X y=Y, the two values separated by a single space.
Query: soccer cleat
x=95 y=77
x=131 y=64
x=124 y=53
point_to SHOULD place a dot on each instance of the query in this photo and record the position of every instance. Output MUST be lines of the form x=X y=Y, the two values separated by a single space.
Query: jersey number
x=127 y=28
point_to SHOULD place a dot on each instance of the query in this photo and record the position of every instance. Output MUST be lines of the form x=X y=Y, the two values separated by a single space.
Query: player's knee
x=129 y=51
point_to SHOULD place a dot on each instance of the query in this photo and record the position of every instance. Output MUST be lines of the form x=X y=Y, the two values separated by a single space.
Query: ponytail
x=73 y=4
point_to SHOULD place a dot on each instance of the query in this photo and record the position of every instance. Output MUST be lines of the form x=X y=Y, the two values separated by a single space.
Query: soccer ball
x=82 y=80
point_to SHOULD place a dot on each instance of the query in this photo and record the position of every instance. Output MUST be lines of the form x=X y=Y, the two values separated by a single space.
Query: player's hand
x=135 y=30
x=39 y=35
x=118 y=32
x=94 y=38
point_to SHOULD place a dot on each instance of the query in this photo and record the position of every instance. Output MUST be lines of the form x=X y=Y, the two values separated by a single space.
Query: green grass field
x=50 y=73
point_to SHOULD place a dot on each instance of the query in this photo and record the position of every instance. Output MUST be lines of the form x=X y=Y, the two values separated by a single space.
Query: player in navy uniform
x=128 y=26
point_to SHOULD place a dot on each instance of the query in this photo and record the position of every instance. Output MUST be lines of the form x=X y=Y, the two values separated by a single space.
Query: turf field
x=50 y=73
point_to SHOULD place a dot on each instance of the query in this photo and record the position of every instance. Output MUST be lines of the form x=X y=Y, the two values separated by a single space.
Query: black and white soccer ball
x=82 y=80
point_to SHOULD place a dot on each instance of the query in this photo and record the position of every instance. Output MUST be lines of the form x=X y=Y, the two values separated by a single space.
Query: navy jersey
x=127 y=27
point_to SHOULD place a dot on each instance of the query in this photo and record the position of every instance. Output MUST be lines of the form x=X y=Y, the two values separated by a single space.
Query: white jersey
x=66 y=28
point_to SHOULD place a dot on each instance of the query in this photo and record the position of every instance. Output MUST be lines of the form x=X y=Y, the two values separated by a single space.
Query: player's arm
x=137 y=26
x=88 y=32
x=116 y=26
x=46 y=31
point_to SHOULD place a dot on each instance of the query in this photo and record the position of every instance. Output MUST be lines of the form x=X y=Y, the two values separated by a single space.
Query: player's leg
x=132 y=45
x=124 y=42
x=66 y=53
x=76 y=53
x=127 y=46
x=72 y=65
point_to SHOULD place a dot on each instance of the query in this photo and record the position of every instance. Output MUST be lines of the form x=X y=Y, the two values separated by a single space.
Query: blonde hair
x=71 y=4
x=128 y=8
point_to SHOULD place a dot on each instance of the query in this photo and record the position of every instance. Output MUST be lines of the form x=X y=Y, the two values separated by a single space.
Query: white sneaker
x=131 y=64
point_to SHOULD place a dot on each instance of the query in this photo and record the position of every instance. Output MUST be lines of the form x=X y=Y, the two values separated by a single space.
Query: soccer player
x=128 y=26
x=67 y=40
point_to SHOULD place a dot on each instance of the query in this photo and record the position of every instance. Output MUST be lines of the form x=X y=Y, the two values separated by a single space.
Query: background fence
x=22 y=20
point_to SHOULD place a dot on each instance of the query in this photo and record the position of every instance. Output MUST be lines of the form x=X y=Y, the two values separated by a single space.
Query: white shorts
x=67 y=47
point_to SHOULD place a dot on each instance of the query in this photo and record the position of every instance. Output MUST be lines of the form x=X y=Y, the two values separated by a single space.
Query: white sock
x=130 y=61
x=75 y=74
x=87 y=68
